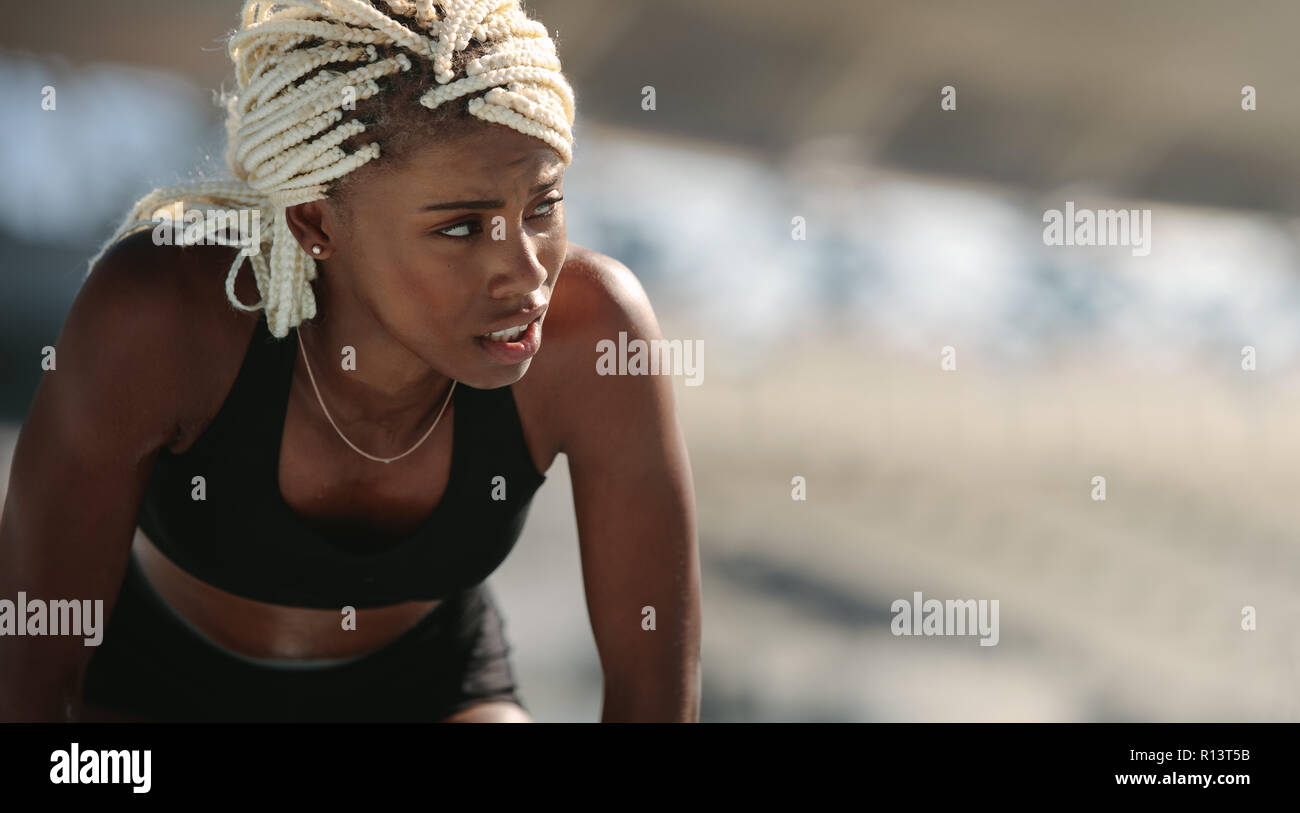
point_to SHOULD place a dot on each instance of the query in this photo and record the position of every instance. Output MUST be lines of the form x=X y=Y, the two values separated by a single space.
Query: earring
x=315 y=249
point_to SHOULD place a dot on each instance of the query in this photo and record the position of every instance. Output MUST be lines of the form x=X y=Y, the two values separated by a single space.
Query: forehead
x=490 y=159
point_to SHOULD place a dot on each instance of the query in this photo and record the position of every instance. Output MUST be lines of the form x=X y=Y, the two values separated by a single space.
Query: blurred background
x=924 y=230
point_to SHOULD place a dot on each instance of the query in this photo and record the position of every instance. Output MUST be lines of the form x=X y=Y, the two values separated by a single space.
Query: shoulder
x=155 y=319
x=597 y=286
x=172 y=286
x=596 y=298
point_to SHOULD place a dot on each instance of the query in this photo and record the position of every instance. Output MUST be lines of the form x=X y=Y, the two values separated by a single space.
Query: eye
x=468 y=225
x=471 y=226
x=551 y=203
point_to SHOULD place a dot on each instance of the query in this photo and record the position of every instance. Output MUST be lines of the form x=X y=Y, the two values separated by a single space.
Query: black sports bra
x=245 y=539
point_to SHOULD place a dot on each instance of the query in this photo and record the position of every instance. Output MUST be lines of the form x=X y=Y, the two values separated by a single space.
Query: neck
x=384 y=383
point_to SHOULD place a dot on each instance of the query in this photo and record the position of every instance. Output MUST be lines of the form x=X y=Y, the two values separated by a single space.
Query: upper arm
x=84 y=454
x=634 y=502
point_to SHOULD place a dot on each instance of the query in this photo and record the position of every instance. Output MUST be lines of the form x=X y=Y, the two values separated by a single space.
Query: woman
x=317 y=512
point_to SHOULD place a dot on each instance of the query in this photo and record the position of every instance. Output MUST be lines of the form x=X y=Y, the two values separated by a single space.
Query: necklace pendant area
x=303 y=352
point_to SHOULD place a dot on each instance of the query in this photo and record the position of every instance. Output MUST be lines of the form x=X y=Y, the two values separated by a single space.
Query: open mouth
x=508 y=335
x=513 y=345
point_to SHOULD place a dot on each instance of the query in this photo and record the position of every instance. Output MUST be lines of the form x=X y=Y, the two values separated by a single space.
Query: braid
x=290 y=140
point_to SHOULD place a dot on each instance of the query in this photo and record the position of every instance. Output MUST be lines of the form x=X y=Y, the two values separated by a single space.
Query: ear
x=311 y=225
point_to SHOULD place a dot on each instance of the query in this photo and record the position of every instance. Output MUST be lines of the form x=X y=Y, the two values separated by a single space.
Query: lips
x=508 y=328
x=515 y=352
x=505 y=335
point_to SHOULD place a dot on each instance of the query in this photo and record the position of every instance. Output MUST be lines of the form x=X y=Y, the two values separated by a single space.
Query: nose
x=518 y=269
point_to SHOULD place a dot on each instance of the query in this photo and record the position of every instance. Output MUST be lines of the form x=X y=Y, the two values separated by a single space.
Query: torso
x=327 y=487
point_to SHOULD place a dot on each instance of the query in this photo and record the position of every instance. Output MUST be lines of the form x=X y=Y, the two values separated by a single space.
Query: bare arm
x=80 y=466
x=634 y=501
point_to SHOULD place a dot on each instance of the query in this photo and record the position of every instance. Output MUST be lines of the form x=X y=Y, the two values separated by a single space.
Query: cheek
x=556 y=254
x=430 y=298
x=553 y=243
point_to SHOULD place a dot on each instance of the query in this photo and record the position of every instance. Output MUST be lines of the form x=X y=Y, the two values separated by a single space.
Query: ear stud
x=315 y=249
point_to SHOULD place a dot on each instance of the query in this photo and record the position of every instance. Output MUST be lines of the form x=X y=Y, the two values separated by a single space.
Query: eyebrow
x=484 y=204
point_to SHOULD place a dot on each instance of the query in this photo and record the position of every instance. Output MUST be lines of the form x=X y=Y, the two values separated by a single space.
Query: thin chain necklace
x=321 y=401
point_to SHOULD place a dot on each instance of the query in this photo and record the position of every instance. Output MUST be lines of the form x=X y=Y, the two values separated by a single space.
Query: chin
x=501 y=376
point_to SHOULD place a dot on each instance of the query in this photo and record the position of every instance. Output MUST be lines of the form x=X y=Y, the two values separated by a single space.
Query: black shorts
x=152 y=664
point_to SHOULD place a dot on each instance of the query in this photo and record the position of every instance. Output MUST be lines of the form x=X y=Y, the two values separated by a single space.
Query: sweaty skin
x=409 y=287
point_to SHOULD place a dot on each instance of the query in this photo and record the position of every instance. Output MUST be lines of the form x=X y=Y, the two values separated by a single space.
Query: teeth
x=506 y=335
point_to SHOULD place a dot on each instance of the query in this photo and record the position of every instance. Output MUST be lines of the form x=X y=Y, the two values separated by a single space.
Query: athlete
x=287 y=457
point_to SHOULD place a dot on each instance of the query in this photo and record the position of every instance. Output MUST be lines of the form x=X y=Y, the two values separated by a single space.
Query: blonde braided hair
x=288 y=143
